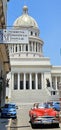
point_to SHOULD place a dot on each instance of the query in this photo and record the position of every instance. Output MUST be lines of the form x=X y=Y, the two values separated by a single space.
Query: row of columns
x=30 y=80
x=56 y=81
x=36 y=81
x=31 y=47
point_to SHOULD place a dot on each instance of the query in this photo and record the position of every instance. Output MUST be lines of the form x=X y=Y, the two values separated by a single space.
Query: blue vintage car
x=56 y=105
x=9 y=110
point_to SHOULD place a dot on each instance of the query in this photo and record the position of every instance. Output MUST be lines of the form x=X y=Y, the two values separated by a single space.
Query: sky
x=47 y=14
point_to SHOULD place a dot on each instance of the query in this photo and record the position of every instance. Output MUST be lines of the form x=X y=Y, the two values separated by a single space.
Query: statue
x=48 y=82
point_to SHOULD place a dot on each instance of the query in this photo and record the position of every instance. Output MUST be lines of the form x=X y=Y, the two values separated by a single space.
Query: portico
x=24 y=81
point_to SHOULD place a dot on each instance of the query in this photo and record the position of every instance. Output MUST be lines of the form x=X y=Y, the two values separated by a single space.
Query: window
x=31 y=33
x=26 y=47
x=20 y=48
x=21 y=84
x=16 y=48
x=27 y=84
x=33 y=84
x=21 y=81
x=35 y=34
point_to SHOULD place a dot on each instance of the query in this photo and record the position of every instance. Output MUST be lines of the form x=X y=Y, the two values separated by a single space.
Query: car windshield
x=56 y=103
x=9 y=106
x=44 y=105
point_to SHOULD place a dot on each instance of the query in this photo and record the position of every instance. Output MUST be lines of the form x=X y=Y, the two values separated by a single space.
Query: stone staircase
x=30 y=96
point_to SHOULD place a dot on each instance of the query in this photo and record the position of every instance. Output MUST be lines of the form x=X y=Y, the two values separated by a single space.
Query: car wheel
x=57 y=125
x=14 y=117
x=1 y=116
x=33 y=125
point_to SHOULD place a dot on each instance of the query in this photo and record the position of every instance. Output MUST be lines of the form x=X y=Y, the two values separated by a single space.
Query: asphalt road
x=22 y=122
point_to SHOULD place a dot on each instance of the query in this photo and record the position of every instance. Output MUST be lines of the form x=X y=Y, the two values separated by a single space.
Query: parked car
x=43 y=114
x=56 y=105
x=9 y=110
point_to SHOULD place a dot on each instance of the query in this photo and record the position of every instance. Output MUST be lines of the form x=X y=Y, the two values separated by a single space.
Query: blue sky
x=47 y=14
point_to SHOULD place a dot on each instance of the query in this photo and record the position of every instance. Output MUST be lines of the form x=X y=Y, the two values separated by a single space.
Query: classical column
x=42 y=80
x=35 y=46
x=25 y=47
x=30 y=83
x=56 y=82
x=36 y=80
x=32 y=46
x=14 y=48
x=12 y=80
x=24 y=81
x=18 y=48
x=18 y=81
x=51 y=83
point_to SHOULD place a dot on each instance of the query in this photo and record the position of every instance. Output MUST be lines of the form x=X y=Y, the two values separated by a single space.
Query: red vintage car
x=43 y=113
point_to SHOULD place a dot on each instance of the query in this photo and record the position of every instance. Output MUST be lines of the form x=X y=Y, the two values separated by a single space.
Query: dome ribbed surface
x=25 y=20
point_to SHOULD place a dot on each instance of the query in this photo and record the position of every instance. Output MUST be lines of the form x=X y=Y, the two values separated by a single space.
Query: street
x=22 y=121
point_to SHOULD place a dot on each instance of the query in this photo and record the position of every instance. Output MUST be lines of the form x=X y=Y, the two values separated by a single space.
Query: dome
x=25 y=20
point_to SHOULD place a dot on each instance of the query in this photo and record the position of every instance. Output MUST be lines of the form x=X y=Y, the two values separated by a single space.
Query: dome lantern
x=25 y=10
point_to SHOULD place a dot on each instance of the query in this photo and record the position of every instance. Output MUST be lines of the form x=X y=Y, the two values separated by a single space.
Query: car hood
x=44 y=112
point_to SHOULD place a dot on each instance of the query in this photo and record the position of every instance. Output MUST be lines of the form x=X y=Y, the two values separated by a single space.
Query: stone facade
x=31 y=71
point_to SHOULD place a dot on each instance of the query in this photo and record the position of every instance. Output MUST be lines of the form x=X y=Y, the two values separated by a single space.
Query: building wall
x=2 y=13
x=4 y=54
x=5 y=10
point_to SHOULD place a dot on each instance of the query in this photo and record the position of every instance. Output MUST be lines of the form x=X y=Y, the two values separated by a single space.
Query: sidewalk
x=4 y=124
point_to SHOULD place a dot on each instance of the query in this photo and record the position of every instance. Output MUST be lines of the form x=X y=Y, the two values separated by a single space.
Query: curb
x=9 y=124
